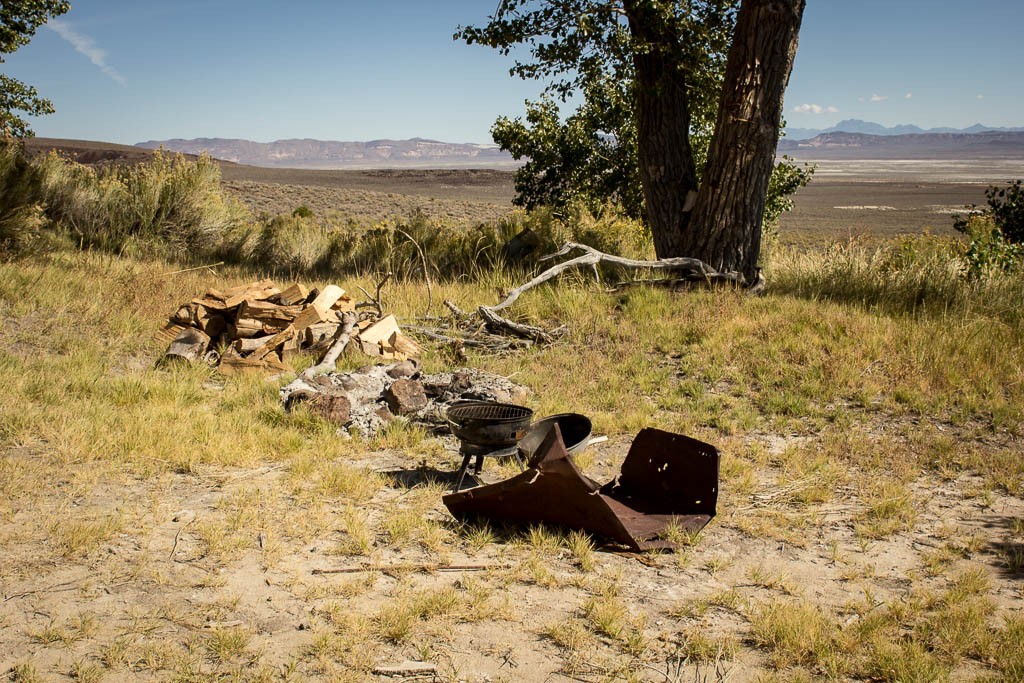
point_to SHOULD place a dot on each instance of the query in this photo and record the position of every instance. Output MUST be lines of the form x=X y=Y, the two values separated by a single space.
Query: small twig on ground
x=456 y=311
x=413 y=566
x=174 y=548
x=189 y=270
x=374 y=300
x=497 y=323
x=56 y=588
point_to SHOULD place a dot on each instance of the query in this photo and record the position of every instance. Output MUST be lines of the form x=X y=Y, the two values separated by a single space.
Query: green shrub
x=175 y=207
x=988 y=247
x=291 y=245
x=21 y=212
x=996 y=234
x=169 y=205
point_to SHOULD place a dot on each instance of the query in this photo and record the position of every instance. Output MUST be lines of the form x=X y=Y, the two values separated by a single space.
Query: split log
x=210 y=303
x=320 y=309
x=256 y=291
x=292 y=295
x=169 y=332
x=343 y=304
x=212 y=325
x=314 y=334
x=231 y=363
x=247 y=328
x=291 y=347
x=276 y=340
x=405 y=346
x=378 y=334
x=184 y=314
x=189 y=346
x=268 y=312
x=245 y=346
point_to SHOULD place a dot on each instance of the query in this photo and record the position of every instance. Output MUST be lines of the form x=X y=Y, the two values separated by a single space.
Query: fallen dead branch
x=374 y=300
x=683 y=270
x=480 y=340
x=330 y=360
x=690 y=269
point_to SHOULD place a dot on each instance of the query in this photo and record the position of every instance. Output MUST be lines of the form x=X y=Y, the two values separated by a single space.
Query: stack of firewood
x=259 y=326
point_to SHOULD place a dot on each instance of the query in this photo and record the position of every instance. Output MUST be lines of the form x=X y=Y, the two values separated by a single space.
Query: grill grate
x=484 y=410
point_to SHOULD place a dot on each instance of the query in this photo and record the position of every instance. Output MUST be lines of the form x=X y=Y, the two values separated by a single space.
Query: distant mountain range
x=869 y=128
x=838 y=146
x=330 y=154
x=871 y=141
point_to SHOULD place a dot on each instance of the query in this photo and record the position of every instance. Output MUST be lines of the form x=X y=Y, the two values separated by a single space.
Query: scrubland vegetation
x=164 y=524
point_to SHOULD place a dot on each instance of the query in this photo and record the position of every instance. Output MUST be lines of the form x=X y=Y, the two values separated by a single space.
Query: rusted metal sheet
x=666 y=479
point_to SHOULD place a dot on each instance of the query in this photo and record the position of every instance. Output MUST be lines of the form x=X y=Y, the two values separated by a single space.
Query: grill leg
x=479 y=465
x=462 y=472
x=520 y=460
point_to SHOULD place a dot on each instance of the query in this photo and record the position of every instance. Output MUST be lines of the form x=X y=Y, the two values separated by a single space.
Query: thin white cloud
x=981 y=97
x=814 y=109
x=85 y=45
x=908 y=96
x=879 y=98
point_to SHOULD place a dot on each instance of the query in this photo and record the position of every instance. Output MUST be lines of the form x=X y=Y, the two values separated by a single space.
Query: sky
x=127 y=71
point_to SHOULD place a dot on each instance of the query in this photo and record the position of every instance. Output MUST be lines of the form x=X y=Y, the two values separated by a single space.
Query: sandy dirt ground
x=152 y=603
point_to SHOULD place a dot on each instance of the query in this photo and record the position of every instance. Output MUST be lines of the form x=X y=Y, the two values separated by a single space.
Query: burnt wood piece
x=666 y=479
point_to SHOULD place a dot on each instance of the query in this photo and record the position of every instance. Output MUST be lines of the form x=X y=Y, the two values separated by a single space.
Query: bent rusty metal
x=667 y=479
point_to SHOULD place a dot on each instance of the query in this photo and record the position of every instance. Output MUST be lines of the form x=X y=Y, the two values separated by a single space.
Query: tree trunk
x=667 y=170
x=725 y=230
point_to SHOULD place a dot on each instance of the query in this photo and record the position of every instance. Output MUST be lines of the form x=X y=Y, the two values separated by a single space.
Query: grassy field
x=165 y=524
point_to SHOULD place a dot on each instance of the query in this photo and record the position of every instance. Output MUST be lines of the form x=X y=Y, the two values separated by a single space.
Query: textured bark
x=725 y=230
x=667 y=170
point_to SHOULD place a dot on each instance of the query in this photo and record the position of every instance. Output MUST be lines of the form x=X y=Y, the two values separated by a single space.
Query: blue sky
x=127 y=71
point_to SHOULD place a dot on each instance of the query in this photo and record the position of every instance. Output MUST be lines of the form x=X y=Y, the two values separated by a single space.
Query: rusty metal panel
x=666 y=479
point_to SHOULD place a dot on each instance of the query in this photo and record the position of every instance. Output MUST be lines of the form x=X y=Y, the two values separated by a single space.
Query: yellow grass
x=191 y=510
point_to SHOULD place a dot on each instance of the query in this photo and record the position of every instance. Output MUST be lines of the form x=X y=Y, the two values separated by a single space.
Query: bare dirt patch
x=212 y=571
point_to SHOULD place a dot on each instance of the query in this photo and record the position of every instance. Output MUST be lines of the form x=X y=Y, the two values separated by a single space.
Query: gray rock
x=405 y=396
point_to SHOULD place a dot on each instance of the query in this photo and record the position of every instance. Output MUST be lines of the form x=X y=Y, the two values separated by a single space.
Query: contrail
x=86 y=46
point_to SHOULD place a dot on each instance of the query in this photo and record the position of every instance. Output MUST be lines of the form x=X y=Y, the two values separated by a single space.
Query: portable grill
x=487 y=429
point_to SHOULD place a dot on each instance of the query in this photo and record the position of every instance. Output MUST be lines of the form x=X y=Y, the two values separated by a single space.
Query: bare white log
x=690 y=269
x=330 y=360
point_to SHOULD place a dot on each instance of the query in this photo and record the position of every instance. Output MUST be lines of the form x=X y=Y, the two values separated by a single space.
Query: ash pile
x=365 y=400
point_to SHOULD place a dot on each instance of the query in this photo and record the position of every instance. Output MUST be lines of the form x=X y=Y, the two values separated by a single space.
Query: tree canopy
x=652 y=73
x=19 y=20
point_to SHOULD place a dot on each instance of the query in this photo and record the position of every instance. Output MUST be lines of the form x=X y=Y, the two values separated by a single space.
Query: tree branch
x=689 y=269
